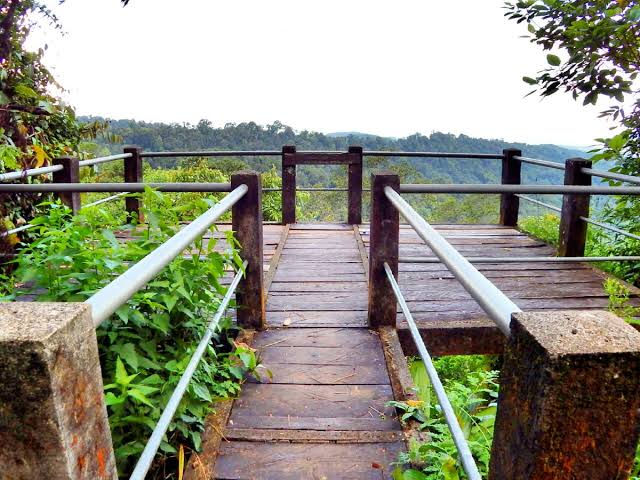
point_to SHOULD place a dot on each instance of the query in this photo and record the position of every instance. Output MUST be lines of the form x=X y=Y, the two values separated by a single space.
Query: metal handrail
x=115 y=187
x=105 y=200
x=92 y=204
x=466 y=458
x=611 y=175
x=542 y=163
x=108 y=299
x=538 y=202
x=608 y=226
x=94 y=161
x=213 y=153
x=150 y=450
x=383 y=153
x=612 y=258
x=495 y=303
x=30 y=172
x=499 y=188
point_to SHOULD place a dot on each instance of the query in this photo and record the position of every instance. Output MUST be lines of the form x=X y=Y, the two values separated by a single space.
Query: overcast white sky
x=382 y=67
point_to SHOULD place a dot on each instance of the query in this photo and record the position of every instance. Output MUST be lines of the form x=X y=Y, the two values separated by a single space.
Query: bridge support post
x=69 y=174
x=354 y=216
x=568 y=404
x=385 y=235
x=509 y=203
x=133 y=174
x=573 y=230
x=288 y=184
x=53 y=419
x=247 y=225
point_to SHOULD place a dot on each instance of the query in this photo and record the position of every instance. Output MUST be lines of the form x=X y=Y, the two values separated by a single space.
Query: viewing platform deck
x=323 y=413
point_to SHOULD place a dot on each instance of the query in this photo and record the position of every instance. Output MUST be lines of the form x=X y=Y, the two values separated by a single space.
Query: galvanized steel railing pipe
x=382 y=153
x=115 y=187
x=538 y=202
x=466 y=458
x=213 y=153
x=31 y=172
x=498 y=188
x=495 y=303
x=611 y=175
x=108 y=299
x=150 y=450
x=612 y=258
x=542 y=163
x=110 y=158
x=612 y=228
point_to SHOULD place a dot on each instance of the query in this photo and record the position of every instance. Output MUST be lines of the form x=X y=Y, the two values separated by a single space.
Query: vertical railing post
x=69 y=174
x=509 y=203
x=53 y=418
x=354 y=216
x=288 y=184
x=247 y=226
x=573 y=230
x=568 y=405
x=385 y=235
x=133 y=174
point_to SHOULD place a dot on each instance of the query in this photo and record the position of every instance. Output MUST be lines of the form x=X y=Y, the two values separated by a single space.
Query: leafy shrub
x=145 y=346
x=471 y=386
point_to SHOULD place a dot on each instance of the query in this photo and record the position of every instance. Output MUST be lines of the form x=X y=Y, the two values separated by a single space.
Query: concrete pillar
x=53 y=420
x=569 y=404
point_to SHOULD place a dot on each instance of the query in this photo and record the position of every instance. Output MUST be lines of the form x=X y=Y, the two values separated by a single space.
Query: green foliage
x=471 y=386
x=599 y=42
x=620 y=300
x=35 y=125
x=545 y=227
x=146 y=345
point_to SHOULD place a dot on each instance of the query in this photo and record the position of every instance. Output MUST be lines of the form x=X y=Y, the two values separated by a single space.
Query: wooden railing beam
x=247 y=227
x=509 y=203
x=385 y=237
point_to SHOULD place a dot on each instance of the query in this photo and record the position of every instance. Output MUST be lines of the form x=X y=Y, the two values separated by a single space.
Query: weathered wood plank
x=317 y=337
x=318 y=318
x=306 y=436
x=310 y=374
x=323 y=356
x=285 y=461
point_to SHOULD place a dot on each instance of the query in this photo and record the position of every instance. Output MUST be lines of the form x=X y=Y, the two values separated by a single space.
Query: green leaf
x=128 y=353
x=25 y=91
x=138 y=395
x=530 y=81
x=414 y=475
x=449 y=469
x=201 y=392
x=553 y=60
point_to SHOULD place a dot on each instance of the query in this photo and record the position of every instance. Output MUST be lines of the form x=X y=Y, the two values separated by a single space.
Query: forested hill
x=251 y=136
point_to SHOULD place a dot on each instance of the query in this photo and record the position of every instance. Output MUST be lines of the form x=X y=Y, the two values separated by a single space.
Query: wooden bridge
x=317 y=302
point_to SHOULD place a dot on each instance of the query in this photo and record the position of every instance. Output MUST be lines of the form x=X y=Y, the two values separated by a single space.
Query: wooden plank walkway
x=323 y=414
x=452 y=322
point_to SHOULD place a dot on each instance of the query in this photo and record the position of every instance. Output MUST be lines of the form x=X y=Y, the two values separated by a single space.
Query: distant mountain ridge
x=251 y=136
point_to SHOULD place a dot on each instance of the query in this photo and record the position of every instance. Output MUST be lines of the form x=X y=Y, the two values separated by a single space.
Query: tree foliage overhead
x=35 y=125
x=601 y=42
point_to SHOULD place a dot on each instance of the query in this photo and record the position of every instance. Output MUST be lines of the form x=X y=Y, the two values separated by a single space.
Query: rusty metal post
x=247 y=225
x=509 y=203
x=573 y=230
x=568 y=404
x=53 y=419
x=288 y=184
x=385 y=236
x=354 y=216
x=133 y=174
x=69 y=174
